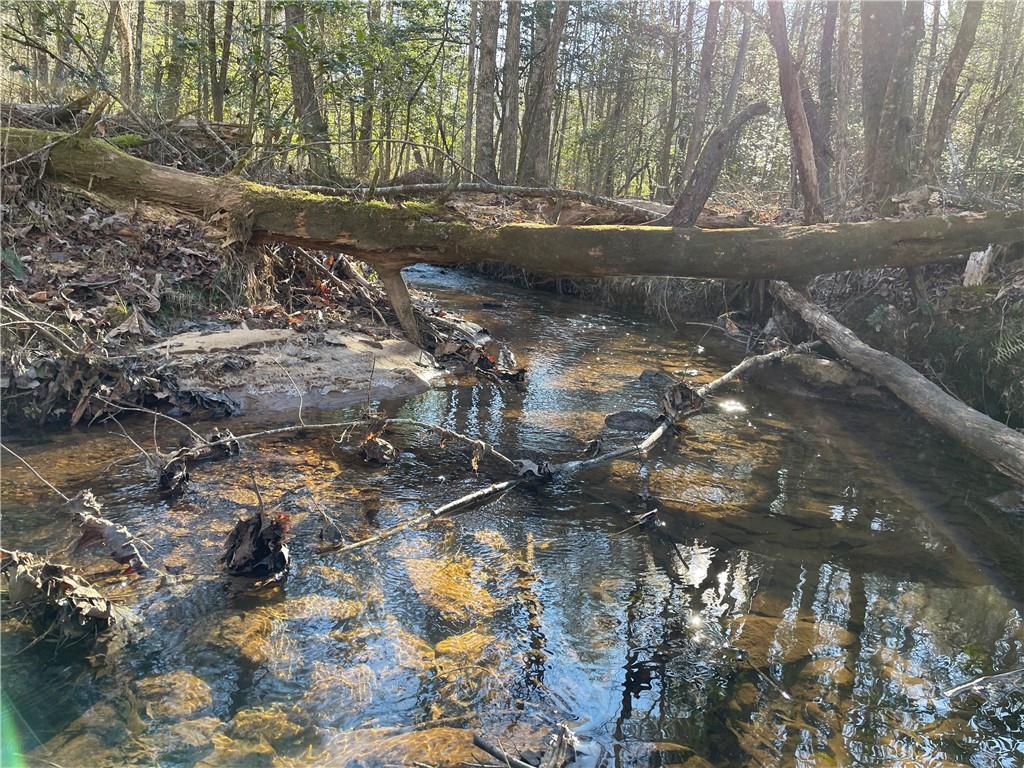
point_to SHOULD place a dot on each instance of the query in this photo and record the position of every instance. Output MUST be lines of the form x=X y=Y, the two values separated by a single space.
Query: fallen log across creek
x=390 y=236
x=1000 y=445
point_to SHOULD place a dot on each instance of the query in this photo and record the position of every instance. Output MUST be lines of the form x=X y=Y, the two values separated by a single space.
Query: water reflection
x=817 y=579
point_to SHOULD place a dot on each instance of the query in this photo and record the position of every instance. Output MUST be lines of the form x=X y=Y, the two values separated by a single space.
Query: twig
x=500 y=754
x=32 y=469
x=479 y=495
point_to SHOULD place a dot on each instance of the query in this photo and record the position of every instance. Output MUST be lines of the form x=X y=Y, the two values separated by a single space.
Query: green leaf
x=13 y=263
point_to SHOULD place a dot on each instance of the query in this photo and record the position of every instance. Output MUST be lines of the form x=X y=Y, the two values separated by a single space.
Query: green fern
x=1010 y=347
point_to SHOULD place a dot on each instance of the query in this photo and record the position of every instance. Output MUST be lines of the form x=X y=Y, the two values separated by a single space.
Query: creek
x=815 y=577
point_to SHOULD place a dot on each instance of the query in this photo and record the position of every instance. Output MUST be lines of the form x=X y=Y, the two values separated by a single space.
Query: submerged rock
x=173 y=696
x=631 y=421
x=769 y=640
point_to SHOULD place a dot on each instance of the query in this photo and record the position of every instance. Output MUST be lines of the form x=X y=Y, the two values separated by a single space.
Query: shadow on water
x=818 y=577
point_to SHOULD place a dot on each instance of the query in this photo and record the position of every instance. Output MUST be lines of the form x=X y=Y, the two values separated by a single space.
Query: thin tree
x=747 y=11
x=312 y=125
x=796 y=117
x=483 y=162
x=945 y=94
x=467 y=126
x=510 y=93
x=704 y=85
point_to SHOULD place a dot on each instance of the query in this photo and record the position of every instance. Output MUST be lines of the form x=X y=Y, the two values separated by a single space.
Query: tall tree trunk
x=483 y=161
x=826 y=100
x=171 y=95
x=747 y=10
x=707 y=58
x=842 y=101
x=60 y=74
x=945 y=94
x=510 y=93
x=304 y=96
x=216 y=93
x=108 y=36
x=41 y=62
x=534 y=157
x=124 y=50
x=891 y=170
x=364 y=149
x=225 y=60
x=796 y=117
x=663 y=193
x=140 y=23
x=880 y=35
x=467 y=125
x=929 y=69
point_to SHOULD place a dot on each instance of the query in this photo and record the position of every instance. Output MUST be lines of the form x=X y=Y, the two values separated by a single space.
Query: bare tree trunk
x=890 y=170
x=929 y=70
x=945 y=94
x=796 y=117
x=225 y=60
x=826 y=100
x=510 y=93
x=304 y=97
x=747 y=10
x=467 y=126
x=483 y=162
x=41 y=62
x=364 y=149
x=880 y=34
x=663 y=192
x=124 y=48
x=108 y=36
x=535 y=157
x=996 y=90
x=843 y=101
x=705 y=174
x=171 y=96
x=707 y=58
x=140 y=23
x=60 y=74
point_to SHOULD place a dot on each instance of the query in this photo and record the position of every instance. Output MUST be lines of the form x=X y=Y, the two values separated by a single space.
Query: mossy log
x=997 y=443
x=393 y=235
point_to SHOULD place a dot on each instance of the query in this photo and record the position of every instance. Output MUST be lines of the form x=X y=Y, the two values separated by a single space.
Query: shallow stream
x=813 y=580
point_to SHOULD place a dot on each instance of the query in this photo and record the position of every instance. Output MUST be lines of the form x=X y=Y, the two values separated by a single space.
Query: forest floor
x=141 y=309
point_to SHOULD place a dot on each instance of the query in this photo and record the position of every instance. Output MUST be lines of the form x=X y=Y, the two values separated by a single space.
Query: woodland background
x=610 y=98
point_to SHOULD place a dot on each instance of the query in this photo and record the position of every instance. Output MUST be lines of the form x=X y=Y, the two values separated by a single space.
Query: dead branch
x=997 y=443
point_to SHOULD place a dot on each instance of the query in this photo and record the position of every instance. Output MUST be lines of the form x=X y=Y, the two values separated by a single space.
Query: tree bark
x=796 y=117
x=826 y=100
x=140 y=23
x=363 y=151
x=700 y=108
x=929 y=69
x=842 y=102
x=467 y=128
x=171 y=97
x=998 y=444
x=890 y=171
x=747 y=11
x=389 y=236
x=535 y=155
x=60 y=74
x=705 y=175
x=225 y=60
x=945 y=94
x=40 y=61
x=304 y=97
x=510 y=93
x=663 y=192
x=880 y=34
x=483 y=161
x=124 y=49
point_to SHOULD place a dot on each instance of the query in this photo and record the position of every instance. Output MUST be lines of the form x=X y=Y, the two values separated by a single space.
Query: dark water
x=819 y=577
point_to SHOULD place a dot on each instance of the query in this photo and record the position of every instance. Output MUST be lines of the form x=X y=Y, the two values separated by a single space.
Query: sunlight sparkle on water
x=731 y=406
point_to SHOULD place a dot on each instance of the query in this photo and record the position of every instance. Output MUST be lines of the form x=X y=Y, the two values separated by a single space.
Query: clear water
x=819 y=577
